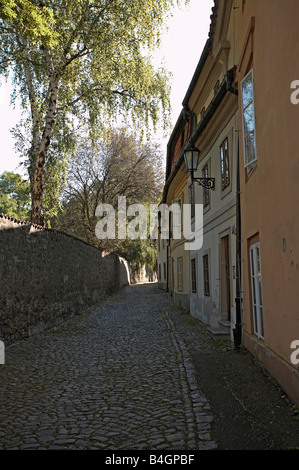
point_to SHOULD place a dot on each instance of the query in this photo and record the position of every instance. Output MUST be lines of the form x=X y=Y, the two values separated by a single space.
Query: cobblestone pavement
x=117 y=376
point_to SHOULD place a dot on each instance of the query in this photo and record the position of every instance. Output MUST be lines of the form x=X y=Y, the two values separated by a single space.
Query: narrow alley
x=136 y=373
x=116 y=377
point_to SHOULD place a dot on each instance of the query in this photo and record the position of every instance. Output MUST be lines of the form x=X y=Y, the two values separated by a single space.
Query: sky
x=182 y=45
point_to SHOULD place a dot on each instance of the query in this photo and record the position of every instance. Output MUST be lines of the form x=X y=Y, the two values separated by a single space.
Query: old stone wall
x=47 y=276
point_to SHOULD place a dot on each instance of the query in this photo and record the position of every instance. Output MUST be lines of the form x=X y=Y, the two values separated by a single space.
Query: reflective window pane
x=247 y=90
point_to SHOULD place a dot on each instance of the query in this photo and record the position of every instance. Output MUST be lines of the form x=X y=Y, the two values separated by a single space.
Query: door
x=225 y=279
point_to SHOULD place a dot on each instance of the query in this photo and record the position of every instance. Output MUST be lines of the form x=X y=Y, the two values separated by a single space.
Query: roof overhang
x=225 y=87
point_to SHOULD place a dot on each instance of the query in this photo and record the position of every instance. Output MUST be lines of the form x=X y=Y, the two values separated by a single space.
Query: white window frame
x=225 y=164
x=256 y=290
x=178 y=218
x=248 y=162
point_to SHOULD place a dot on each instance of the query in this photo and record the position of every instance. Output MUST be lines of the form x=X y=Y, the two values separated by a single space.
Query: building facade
x=212 y=99
x=176 y=193
x=268 y=47
x=241 y=111
x=204 y=281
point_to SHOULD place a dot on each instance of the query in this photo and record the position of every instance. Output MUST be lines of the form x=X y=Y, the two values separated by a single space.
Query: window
x=164 y=270
x=178 y=214
x=180 y=273
x=206 y=192
x=193 y=275
x=206 y=275
x=224 y=164
x=248 y=118
x=191 y=199
x=256 y=289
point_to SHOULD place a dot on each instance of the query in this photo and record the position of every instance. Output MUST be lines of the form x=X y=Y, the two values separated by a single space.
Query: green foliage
x=14 y=195
x=119 y=165
x=100 y=66
x=138 y=253
x=33 y=20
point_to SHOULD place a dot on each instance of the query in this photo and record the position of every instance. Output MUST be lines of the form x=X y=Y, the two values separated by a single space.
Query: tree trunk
x=37 y=215
x=36 y=134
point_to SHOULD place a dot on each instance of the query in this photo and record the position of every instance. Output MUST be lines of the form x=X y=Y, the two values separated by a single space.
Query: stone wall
x=47 y=276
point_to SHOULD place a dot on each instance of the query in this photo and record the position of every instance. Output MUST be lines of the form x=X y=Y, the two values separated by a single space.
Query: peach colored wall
x=270 y=196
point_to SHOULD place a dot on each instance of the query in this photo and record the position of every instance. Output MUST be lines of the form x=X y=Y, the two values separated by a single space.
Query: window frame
x=225 y=164
x=206 y=192
x=191 y=196
x=193 y=276
x=256 y=290
x=252 y=162
x=178 y=222
x=180 y=273
x=206 y=275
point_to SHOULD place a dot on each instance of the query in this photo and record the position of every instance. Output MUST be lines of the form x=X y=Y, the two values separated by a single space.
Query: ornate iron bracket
x=207 y=183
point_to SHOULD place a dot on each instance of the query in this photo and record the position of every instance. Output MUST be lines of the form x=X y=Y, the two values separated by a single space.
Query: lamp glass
x=191 y=158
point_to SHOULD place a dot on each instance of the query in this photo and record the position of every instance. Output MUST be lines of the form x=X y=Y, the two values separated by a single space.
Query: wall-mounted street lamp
x=191 y=156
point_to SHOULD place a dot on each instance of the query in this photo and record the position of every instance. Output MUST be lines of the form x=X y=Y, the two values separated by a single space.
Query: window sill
x=226 y=191
x=249 y=171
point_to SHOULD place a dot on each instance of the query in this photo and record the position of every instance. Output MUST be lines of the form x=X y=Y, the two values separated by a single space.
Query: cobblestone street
x=117 y=376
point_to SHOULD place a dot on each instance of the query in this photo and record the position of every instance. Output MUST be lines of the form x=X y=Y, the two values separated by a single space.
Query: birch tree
x=94 y=63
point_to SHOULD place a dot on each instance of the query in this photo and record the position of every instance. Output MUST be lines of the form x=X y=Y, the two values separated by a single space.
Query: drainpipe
x=167 y=268
x=237 y=332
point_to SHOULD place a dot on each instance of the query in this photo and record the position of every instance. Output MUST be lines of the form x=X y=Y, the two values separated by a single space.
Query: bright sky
x=181 y=49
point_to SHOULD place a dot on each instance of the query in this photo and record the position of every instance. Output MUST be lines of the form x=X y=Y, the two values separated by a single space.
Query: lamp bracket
x=207 y=183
